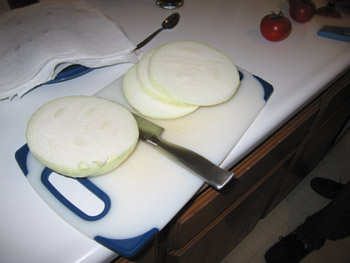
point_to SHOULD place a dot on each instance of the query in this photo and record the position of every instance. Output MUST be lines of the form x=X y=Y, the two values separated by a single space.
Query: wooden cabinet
x=213 y=223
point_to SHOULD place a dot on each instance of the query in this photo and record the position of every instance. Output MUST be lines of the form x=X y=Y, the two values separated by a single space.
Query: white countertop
x=298 y=68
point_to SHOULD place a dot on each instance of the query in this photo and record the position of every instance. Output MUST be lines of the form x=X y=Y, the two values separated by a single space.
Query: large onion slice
x=193 y=73
x=82 y=136
x=148 y=105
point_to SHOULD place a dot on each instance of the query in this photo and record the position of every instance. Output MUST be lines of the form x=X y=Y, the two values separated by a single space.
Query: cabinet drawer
x=210 y=204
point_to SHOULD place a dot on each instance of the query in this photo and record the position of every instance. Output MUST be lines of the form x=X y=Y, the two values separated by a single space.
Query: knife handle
x=206 y=170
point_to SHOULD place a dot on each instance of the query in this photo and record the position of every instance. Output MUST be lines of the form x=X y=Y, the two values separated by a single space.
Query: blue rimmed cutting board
x=123 y=210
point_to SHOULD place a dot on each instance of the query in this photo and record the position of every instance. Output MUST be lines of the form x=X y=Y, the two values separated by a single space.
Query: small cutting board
x=125 y=208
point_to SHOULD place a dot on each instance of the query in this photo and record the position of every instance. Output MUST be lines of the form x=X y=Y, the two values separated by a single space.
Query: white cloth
x=40 y=40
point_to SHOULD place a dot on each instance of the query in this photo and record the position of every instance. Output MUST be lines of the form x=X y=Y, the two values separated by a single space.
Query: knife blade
x=203 y=168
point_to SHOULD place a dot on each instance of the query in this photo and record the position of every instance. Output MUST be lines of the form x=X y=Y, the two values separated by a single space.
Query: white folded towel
x=39 y=40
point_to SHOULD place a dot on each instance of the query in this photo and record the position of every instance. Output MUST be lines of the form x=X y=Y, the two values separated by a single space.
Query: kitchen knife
x=206 y=170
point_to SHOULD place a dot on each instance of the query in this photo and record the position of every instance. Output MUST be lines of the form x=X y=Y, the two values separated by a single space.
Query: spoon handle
x=148 y=39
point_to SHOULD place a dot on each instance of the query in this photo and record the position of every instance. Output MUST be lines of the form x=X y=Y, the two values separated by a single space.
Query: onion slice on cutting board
x=143 y=77
x=194 y=73
x=147 y=105
x=82 y=136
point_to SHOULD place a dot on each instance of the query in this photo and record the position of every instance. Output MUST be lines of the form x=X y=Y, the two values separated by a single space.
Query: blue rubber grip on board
x=127 y=247
x=21 y=158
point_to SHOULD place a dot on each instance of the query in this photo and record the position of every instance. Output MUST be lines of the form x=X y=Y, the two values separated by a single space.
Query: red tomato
x=302 y=10
x=275 y=27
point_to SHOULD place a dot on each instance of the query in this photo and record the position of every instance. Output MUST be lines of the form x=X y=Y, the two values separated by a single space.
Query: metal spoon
x=170 y=22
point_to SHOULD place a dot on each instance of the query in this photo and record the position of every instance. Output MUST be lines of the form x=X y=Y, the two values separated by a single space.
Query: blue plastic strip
x=70 y=72
x=335 y=32
x=268 y=88
x=127 y=247
x=89 y=185
x=21 y=158
x=241 y=76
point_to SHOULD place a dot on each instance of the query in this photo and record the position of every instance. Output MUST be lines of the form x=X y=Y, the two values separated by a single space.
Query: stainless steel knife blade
x=206 y=170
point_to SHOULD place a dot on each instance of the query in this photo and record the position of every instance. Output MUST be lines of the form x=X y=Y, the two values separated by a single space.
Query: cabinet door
x=226 y=231
x=334 y=113
x=335 y=98
x=319 y=141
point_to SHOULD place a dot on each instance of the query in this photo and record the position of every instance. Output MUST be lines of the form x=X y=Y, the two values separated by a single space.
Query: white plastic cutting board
x=148 y=189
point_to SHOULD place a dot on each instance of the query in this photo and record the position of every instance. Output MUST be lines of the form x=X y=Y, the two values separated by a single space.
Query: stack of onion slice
x=175 y=79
